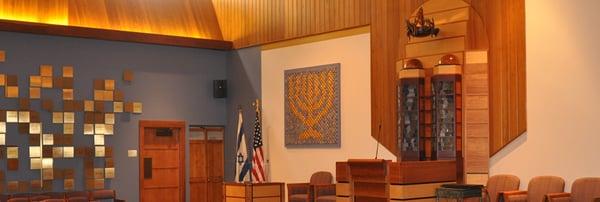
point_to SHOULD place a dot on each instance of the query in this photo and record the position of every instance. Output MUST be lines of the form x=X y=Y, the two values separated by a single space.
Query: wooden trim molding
x=113 y=35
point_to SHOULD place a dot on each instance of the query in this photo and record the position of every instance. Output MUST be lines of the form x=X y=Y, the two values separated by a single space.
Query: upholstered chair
x=105 y=194
x=320 y=182
x=79 y=196
x=583 y=190
x=500 y=183
x=536 y=190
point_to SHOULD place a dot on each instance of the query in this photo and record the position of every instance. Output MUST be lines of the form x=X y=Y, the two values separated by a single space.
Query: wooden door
x=162 y=161
x=206 y=164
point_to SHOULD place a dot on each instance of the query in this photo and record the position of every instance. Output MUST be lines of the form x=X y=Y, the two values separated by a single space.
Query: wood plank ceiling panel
x=254 y=22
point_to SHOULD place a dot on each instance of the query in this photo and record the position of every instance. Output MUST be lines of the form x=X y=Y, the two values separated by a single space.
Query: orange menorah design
x=311 y=97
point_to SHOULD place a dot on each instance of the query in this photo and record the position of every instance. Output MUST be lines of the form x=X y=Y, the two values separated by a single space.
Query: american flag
x=258 y=160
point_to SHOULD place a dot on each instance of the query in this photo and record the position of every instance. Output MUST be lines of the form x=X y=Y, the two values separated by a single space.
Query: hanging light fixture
x=418 y=26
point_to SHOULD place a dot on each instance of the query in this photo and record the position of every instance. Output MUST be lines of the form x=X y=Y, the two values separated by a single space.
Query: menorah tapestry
x=312 y=106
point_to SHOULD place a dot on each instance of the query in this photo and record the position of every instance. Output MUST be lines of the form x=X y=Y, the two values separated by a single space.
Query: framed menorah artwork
x=312 y=106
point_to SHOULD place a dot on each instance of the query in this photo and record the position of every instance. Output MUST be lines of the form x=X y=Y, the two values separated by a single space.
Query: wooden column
x=385 y=33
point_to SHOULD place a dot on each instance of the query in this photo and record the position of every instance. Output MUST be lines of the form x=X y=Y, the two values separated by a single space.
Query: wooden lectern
x=249 y=192
x=369 y=180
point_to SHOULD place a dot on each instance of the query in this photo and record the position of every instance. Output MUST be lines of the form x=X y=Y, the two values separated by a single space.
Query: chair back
x=102 y=194
x=586 y=189
x=501 y=183
x=18 y=199
x=540 y=186
x=321 y=178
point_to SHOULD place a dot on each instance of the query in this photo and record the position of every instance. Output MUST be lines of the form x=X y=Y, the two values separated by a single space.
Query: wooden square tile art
x=11 y=91
x=69 y=173
x=109 y=84
x=137 y=107
x=117 y=107
x=23 y=186
x=57 y=82
x=12 y=164
x=34 y=117
x=12 y=80
x=1 y=177
x=35 y=152
x=118 y=95
x=47 y=152
x=109 y=163
x=98 y=173
x=47 y=186
x=69 y=128
x=47 y=174
x=2 y=127
x=99 y=95
x=109 y=118
x=128 y=107
x=68 y=105
x=48 y=162
x=13 y=186
x=35 y=81
x=57 y=117
x=2 y=139
x=99 y=129
x=99 y=151
x=109 y=129
x=58 y=174
x=77 y=105
x=35 y=140
x=98 y=183
x=98 y=84
x=35 y=128
x=47 y=82
x=57 y=152
x=47 y=139
x=2 y=80
x=99 y=117
x=109 y=173
x=68 y=152
x=35 y=163
x=46 y=70
x=12 y=116
x=99 y=106
x=47 y=105
x=23 y=116
x=12 y=152
x=67 y=71
x=23 y=128
x=69 y=184
x=108 y=95
x=108 y=152
x=67 y=94
x=99 y=140
x=35 y=93
x=2 y=56
x=89 y=117
x=88 y=105
x=128 y=75
x=88 y=129
x=24 y=104
x=69 y=117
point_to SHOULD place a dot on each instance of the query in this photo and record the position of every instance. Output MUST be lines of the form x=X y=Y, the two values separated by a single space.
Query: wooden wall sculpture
x=45 y=145
x=506 y=57
x=254 y=22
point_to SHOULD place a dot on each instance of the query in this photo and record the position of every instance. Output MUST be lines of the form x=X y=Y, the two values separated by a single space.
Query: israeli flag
x=243 y=165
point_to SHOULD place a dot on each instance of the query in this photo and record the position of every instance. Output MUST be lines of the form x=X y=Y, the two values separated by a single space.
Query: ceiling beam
x=113 y=35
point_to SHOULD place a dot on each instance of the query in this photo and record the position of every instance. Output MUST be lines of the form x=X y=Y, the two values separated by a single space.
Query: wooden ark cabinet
x=206 y=163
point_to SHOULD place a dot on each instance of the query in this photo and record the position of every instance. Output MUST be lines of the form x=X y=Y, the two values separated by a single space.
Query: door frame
x=143 y=124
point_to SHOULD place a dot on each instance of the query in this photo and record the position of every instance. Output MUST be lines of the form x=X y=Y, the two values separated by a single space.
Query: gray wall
x=173 y=83
x=243 y=74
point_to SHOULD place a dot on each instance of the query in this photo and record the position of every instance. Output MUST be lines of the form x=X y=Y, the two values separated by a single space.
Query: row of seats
x=82 y=196
x=542 y=189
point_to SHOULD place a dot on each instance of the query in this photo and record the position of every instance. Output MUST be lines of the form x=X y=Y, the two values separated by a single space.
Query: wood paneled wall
x=255 y=22
x=505 y=24
x=385 y=34
x=188 y=18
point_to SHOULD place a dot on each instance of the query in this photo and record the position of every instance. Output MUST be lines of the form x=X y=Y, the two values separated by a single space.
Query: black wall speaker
x=220 y=88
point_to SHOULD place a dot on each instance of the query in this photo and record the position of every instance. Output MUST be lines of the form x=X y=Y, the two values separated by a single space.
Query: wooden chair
x=500 y=183
x=105 y=194
x=583 y=190
x=537 y=190
x=80 y=196
x=320 y=182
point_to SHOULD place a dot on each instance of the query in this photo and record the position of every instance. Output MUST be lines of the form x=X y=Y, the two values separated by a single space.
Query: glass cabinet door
x=410 y=117
x=445 y=116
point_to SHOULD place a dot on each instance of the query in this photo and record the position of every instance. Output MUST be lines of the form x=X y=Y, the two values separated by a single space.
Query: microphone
x=378 y=137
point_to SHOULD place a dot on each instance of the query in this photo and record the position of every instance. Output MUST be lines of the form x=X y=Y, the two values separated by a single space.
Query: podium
x=382 y=180
x=369 y=180
x=249 y=192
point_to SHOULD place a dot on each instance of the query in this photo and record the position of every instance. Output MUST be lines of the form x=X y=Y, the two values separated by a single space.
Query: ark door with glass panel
x=206 y=163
